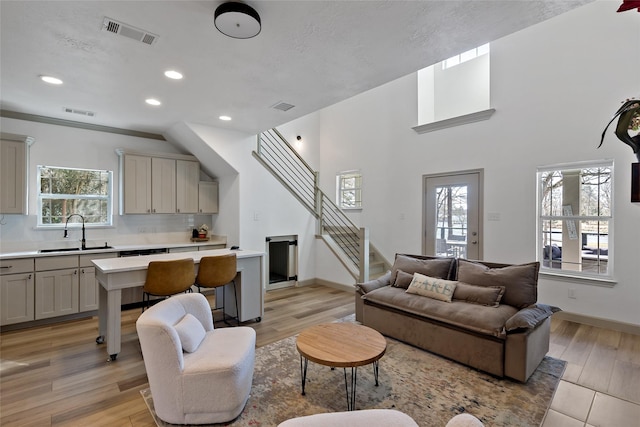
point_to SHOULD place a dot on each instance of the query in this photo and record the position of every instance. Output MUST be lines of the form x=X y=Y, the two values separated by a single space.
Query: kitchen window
x=575 y=219
x=66 y=191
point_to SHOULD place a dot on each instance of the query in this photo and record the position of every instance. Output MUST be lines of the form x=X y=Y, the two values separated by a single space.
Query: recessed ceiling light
x=172 y=74
x=51 y=80
x=152 y=101
x=225 y=118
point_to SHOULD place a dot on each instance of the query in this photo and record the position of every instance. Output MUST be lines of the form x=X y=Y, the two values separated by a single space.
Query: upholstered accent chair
x=197 y=374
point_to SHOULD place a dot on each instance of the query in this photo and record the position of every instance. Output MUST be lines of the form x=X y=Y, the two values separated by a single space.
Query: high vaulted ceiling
x=310 y=54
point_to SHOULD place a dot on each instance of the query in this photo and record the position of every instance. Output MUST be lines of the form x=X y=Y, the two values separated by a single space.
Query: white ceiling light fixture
x=152 y=101
x=173 y=74
x=225 y=118
x=51 y=80
x=237 y=20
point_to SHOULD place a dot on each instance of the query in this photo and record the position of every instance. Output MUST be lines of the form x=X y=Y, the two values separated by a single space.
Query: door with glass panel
x=452 y=215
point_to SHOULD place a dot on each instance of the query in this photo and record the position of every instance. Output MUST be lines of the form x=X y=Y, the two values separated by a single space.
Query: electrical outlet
x=572 y=293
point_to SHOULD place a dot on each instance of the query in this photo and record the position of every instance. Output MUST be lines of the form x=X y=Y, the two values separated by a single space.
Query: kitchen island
x=115 y=274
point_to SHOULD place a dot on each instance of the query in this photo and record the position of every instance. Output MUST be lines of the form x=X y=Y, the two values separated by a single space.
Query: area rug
x=427 y=387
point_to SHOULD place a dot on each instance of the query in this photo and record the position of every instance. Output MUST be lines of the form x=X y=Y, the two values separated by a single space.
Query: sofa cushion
x=191 y=332
x=530 y=317
x=369 y=286
x=520 y=281
x=403 y=279
x=473 y=317
x=431 y=287
x=483 y=295
x=438 y=267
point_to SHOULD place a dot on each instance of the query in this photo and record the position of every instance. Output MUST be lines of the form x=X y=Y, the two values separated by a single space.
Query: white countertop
x=115 y=265
x=115 y=248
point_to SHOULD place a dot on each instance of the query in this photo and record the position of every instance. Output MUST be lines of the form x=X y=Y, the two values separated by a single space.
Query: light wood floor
x=57 y=375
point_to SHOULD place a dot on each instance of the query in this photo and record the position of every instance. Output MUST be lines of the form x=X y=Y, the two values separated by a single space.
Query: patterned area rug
x=427 y=387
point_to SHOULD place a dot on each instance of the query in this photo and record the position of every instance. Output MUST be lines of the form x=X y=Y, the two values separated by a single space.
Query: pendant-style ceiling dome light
x=237 y=20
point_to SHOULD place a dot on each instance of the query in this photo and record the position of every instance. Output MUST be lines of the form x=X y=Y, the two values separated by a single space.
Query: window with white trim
x=66 y=191
x=349 y=190
x=575 y=219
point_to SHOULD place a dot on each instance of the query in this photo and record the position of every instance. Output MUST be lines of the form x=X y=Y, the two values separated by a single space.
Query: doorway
x=282 y=261
x=452 y=214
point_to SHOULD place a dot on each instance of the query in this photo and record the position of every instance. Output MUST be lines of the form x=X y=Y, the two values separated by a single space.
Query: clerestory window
x=575 y=219
x=66 y=191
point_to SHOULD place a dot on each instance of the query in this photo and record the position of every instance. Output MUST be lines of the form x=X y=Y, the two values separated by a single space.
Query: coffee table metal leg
x=351 y=394
x=303 y=371
x=375 y=371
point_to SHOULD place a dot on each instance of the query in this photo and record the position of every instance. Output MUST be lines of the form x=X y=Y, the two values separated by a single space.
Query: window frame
x=75 y=223
x=340 y=189
x=589 y=276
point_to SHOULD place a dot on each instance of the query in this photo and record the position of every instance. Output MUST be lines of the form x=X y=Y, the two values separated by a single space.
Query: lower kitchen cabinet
x=56 y=293
x=16 y=294
x=89 y=292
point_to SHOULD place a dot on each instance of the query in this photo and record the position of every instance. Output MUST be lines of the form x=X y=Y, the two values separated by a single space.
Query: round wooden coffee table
x=341 y=345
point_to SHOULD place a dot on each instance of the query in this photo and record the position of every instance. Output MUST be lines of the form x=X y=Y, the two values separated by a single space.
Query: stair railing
x=348 y=242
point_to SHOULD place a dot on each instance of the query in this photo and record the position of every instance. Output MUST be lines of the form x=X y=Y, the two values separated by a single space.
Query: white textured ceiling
x=310 y=54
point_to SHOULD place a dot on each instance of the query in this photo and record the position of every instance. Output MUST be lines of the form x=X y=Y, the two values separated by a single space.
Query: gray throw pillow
x=482 y=295
x=520 y=281
x=530 y=317
x=403 y=280
x=439 y=267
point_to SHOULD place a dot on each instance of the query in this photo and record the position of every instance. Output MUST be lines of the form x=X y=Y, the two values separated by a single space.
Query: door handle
x=474 y=242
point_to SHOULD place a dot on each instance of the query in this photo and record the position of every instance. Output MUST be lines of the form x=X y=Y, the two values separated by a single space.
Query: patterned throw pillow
x=432 y=287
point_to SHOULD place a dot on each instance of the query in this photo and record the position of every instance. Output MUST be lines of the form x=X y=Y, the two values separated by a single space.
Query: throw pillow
x=520 y=281
x=483 y=295
x=432 y=287
x=372 y=285
x=437 y=267
x=403 y=279
x=191 y=332
x=530 y=317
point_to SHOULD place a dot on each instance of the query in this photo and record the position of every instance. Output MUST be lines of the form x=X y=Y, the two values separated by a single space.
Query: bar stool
x=215 y=271
x=166 y=278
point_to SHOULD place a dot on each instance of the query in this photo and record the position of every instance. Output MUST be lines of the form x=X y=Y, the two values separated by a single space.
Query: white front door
x=452 y=215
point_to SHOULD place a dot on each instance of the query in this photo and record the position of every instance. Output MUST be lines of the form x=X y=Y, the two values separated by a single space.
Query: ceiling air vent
x=125 y=30
x=282 y=106
x=81 y=112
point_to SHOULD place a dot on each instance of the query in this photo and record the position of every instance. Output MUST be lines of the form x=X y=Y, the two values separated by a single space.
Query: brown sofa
x=492 y=321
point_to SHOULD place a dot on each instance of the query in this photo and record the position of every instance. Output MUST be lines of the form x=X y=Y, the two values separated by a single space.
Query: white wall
x=253 y=204
x=80 y=148
x=554 y=86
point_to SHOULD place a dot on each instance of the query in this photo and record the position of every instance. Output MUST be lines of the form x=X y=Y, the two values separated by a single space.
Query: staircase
x=348 y=243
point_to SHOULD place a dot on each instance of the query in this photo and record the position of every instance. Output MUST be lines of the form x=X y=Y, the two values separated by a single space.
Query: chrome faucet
x=84 y=242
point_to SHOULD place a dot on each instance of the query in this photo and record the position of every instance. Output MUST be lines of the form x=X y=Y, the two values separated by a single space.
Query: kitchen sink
x=88 y=248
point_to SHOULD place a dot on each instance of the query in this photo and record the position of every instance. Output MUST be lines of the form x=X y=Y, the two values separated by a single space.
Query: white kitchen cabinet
x=208 y=197
x=14 y=169
x=187 y=179
x=209 y=247
x=16 y=291
x=163 y=185
x=56 y=293
x=135 y=184
x=57 y=286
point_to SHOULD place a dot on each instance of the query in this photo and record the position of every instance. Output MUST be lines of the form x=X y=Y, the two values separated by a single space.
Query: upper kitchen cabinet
x=208 y=197
x=14 y=168
x=187 y=178
x=135 y=184
x=158 y=183
x=163 y=185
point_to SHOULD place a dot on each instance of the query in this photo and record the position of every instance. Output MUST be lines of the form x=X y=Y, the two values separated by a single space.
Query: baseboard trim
x=599 y=322
x=328 y=283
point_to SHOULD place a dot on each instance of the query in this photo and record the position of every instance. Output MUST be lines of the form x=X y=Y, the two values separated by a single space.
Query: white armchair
x=197 y=374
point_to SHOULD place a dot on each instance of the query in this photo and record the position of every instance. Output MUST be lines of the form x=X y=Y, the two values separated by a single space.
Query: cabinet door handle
x=148 y=210
x=7 y=266
x=83 y=271
x=29 y=276
x=75 y=272
x=178 y=210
